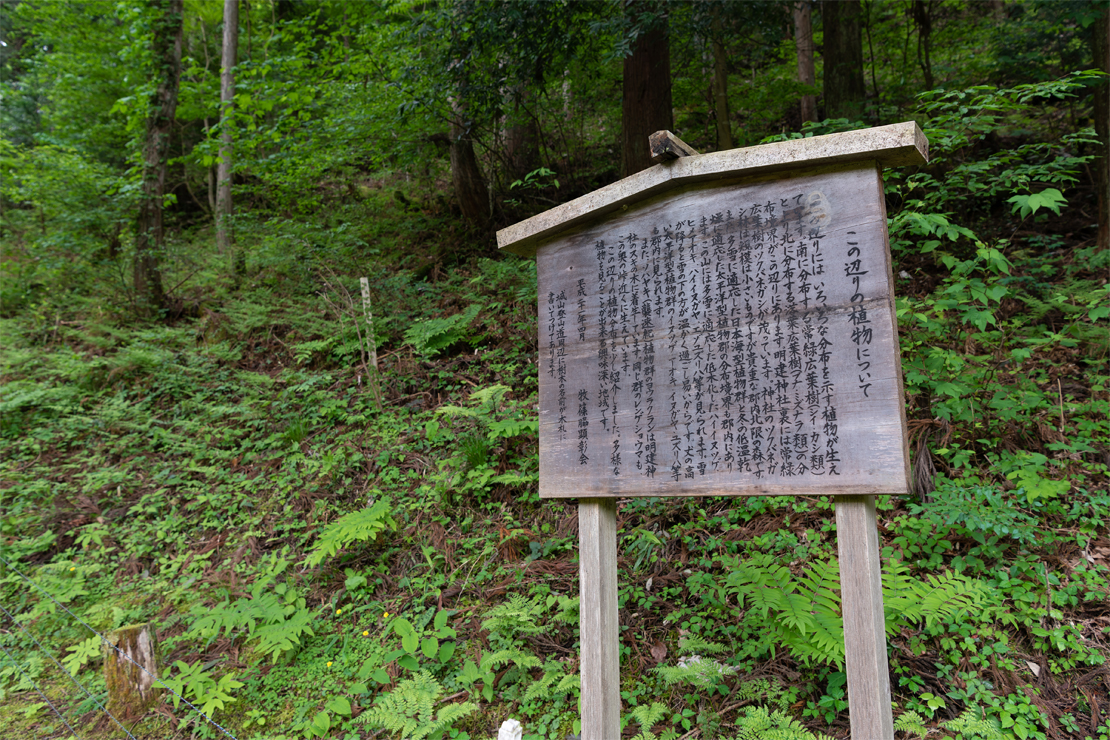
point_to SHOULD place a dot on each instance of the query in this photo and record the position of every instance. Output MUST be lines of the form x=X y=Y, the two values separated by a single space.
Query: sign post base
x=599 y=628
x=861 y=589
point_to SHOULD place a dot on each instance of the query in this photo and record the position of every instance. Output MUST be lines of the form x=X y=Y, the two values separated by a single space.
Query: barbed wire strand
x=47 y=700
x=63 y=669
x=108 y=642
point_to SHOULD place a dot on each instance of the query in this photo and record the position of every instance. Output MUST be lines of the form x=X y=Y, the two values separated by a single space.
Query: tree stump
x=131 y=689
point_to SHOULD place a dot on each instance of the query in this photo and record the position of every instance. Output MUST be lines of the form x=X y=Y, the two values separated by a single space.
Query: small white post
x=364 y=283
x=861 y=589
x=598 y=622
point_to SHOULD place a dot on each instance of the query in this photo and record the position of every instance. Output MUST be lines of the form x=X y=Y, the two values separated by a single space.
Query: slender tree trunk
x=470 y=187
x=803 y=39
x=844 y=87
x=646 y=94
x=1101 y=38
x=923 y=19
x=720 y=84
x=149 y=237
x=225 y=208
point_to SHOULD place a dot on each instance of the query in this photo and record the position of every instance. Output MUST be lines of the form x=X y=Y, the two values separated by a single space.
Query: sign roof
x=898 y=144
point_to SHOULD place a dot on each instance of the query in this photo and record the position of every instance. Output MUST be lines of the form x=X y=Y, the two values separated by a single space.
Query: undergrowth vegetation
x=335 y=550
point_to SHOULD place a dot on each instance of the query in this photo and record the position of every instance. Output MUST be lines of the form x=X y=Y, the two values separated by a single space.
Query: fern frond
x=694 y=670
x=517 y=656
x=911 y=723
x=410 y=709
x=973 y=727
x=554 y=682
x=359 y=526
x=517 y=616
x=759 y=724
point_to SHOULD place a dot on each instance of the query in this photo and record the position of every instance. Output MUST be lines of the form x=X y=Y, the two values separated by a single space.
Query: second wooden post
x=599 y=628
x=861 y=590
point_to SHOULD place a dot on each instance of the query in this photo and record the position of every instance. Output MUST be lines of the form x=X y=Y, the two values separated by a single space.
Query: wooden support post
x=599 y=629
x=861 y=588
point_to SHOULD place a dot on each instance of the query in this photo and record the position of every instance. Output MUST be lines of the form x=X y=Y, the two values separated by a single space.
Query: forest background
x=328 y=504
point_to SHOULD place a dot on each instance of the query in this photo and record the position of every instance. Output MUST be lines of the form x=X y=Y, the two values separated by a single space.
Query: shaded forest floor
x=315 y=541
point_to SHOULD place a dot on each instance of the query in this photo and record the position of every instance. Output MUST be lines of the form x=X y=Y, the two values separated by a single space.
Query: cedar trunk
x=1101 y=30
x=150 y=237
x=720 y=85
x=844 y=86
x=224 y=205
x=522 y=137
x=470 y=187
x=646 y=98
x=803 y=41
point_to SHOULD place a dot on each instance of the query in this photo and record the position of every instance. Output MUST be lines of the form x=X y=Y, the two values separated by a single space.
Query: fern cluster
x=693 y=668
x=967 y=726
x=757 y=723
x=410 y=709
x=277 y=620
x=803 y=612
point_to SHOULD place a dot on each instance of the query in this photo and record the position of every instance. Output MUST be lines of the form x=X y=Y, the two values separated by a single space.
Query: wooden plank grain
x=857 y=539
x=725 y=339
x=599 y=623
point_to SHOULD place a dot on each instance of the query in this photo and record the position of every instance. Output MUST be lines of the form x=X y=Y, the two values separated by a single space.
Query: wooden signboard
x=724 y=324
x=725 y=339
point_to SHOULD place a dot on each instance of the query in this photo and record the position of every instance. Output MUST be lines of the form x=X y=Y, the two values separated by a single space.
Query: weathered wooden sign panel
x=729 y=338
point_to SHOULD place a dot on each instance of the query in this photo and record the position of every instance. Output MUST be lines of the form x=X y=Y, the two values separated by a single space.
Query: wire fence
x=105 y=641
x=62 y=668
x=27 y=676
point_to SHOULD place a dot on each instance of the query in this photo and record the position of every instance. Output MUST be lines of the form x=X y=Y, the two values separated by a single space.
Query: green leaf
x=446 y=650
x=409 y=662
x=410 y=641
x=321 y=723
x=340 y=705
x=1027 y=205
x=430 y=647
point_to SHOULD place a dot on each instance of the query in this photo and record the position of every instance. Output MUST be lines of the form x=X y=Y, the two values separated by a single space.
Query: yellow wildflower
x=366 y=633
x=329 y=664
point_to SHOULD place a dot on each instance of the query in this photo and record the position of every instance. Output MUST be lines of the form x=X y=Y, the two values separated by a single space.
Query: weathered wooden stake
x=131 y=690
x=861 y=589
x=599 y=628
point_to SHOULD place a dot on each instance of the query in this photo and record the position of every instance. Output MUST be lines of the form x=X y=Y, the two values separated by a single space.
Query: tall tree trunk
x=522 y=137
x=720 y=84
x=844 y=87
x=646 y=94
x=470 y=187
x=225 y=209
x=803 y=40
x=1101 y=38
x=150 y=237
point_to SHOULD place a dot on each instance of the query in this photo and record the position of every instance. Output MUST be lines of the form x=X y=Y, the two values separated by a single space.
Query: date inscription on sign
x=733 y=339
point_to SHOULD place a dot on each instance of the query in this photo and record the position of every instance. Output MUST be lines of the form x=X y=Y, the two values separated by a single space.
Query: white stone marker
x=510 y=730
